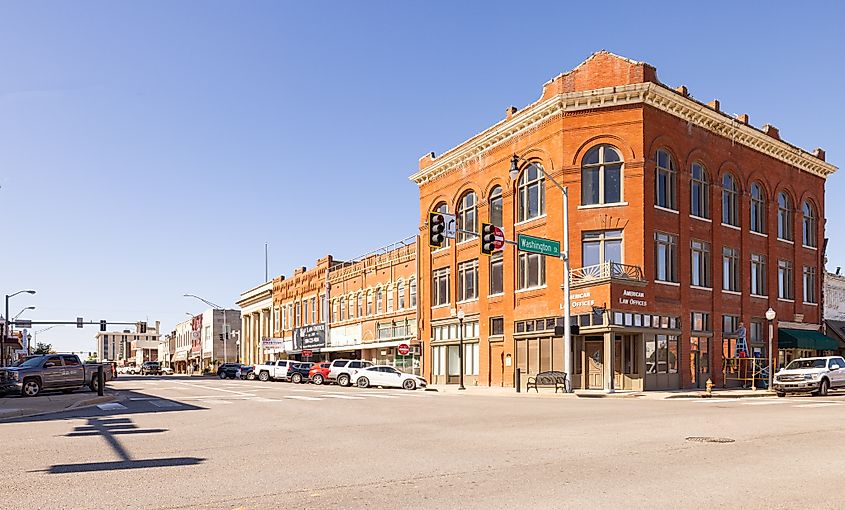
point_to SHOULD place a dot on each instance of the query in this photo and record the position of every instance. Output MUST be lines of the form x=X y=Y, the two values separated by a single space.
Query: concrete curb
x=716 y=394
x=80 y=404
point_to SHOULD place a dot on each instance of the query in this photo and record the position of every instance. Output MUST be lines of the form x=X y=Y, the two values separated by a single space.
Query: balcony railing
x=606 y=270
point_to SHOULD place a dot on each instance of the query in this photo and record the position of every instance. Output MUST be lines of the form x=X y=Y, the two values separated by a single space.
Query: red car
x=319 y=372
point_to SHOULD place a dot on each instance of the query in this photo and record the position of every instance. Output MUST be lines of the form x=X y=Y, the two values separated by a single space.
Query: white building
x=256 y=305
x=834 y=296
x=128 y=347
x=206 y=340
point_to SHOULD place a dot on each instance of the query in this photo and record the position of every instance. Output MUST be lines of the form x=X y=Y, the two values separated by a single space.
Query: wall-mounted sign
x=272 y=343
x=309 y=337
x=633 y=297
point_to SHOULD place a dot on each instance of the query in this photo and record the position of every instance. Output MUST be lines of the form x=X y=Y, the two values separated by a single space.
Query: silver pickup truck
x=63 y=372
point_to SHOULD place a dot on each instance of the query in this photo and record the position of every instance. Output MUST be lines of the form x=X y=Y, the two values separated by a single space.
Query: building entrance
x=594 y=350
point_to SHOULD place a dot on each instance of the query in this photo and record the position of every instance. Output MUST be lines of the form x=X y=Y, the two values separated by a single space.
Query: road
x=204 y=443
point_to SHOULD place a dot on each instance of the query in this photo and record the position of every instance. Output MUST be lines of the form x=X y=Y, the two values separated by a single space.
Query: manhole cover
x=706 y=439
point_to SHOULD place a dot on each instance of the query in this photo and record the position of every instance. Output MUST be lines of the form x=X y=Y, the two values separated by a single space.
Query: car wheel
x=343 y=380
x=781 y=394
x=317 y=379
x=93 y=384
x=363 y=382
x=250 y=376
x=222 y=375
x=409 y=384
x=264 y=376
x=31 y=388
x=296 y=378
x=823 y=386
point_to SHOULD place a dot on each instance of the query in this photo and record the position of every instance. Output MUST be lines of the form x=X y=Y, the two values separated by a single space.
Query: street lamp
x=225 y=328
x=22 y=311
x=770 y=316
x=564 y=254
x=6 y=324
x=461 y=316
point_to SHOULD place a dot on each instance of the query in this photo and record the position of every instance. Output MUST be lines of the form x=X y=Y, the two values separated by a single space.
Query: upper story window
x=413 y=292
x=809 y=223
x=496 y=206
x=666 y=181
x=369 y=303
x=390 y=299
x=379 y=294
x=666 y=257
x=468 y=280
x=601 y=246
x=601 y=176
x=342 y=307
x=440 y=287
x=532 y=193
x=442 y=208
x=784 y=217
x=400 y=295
x=730 y=208
x=758 y=209
x=699 y=191
x=466 y=216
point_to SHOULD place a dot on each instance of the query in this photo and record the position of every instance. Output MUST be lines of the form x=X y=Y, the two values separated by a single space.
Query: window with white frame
x=784 y=216
x=531 y=193
x=666 y=179
x=290 y=316
x=666 y=257
x=699 y=191
x=313 y=310
x=468 y=280
x=810 y=284
x=390 y=292
x=342 y=307
x=369 y=303
x=467 y=208
x=334 y=310
x=471 y=361
x=758 y=209
x=600 y=246
x=277 y=323
x=730 y=269
x=809 y=225
x=532 y=270
x=298 y=314
x=440 y=287
x=785 y=286
x=601 y=176
x=413 y=293
x=758 y=274
x=755 y=331
x=497 y=283
x=700 y=255
x=496 y=206
x=379 y=293
x=730 y=199
x=400 y=295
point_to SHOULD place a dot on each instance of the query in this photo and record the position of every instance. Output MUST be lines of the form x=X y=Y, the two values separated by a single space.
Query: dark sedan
x=298 y=372
x=229 y=370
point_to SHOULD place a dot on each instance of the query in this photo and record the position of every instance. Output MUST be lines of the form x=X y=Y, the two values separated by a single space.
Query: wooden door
x=497 y=364
x=595 y=364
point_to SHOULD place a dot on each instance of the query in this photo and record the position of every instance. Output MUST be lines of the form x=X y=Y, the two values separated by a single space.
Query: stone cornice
x=650 y=94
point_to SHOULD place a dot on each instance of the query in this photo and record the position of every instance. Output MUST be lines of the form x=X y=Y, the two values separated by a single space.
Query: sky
x=150 y=149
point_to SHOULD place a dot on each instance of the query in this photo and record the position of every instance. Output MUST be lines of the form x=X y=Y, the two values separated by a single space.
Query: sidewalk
x=452 y=389
x=16 y=406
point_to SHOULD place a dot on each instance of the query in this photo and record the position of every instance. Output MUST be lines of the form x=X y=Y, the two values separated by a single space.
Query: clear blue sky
x=149 y=149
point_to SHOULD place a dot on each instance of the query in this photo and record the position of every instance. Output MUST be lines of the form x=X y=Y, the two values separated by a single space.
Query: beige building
x=129 y=347
x=256 y=305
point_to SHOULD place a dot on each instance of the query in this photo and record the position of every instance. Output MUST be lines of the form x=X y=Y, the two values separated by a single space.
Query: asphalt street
x=175 y=442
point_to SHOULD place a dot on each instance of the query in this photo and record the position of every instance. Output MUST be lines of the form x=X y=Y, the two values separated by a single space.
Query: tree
x=43 y=348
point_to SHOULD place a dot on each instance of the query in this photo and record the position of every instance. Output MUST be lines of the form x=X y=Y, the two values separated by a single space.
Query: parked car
x=319 y=372
x=814 y=375
x=151 y=368
x=51 y=372
x=245 y=372
x=343 y=370
x=276 y=370
x=387 y=377
x=298 y=372
x=166 y=371
x=228 y=370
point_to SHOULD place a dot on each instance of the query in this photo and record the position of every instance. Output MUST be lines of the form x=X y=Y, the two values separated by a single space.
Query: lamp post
x=22 y=311
x=770 y=316
x=225 y=328
x=6 y=324
x=564 y=256
x=461 y=316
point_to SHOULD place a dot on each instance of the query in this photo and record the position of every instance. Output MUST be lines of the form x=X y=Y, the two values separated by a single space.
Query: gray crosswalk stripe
x=302 y=397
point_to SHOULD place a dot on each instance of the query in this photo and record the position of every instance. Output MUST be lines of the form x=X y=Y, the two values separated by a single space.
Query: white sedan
x=387 y=377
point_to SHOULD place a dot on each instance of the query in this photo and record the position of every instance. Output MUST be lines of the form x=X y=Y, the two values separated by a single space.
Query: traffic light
x=102 y=325
x=436 y=227
x=221 y=337
x=143 y=327
x=488 y=239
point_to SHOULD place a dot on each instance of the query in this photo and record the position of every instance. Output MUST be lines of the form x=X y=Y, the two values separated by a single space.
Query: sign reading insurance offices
x=309 y=337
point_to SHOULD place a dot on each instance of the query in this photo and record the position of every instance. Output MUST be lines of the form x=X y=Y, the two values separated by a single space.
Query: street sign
x=23 y=323
x=307 y=353
x=403 y=349
x=498 y=238
x=539 y=245
x=79 y=322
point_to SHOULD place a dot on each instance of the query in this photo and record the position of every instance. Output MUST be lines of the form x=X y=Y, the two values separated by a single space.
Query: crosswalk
x=763 y=401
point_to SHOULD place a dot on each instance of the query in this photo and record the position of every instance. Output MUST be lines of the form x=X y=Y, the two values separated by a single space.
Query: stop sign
x=403 y=349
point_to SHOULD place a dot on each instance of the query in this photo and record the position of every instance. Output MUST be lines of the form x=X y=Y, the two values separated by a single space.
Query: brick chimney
x=819 y=153
x=743 y=118
x=682 y=90
x=509 y=112
x=771 y=131
x=714 y=104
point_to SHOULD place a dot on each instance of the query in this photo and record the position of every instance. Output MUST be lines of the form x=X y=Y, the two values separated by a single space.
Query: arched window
x=810 y=237
x=360 y=302
x=699 y=191
x=496 y=203
x=532 y=193
x=601 y=176
x=758 y=209
x=400 y=294
x=342 y=309
x=666 y=180
x=466 y=216
x=369 y=303
x=412 y=299
x=379 y=300
x=442 y=208
x=730 y=210
x=784 y=216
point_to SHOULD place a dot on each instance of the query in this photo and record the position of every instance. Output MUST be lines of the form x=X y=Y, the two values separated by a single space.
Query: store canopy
x=805 y=339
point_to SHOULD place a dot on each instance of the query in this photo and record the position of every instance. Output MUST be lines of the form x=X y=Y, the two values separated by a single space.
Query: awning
x=805 y=339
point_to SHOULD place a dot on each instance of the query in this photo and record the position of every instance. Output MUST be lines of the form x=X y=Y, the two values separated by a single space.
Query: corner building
x=685 y=226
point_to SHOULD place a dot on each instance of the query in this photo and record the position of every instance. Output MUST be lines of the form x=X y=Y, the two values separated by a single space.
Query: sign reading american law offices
x=607 y=295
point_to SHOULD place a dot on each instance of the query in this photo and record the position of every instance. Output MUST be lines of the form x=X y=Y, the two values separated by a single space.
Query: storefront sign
x=272 y=343
x=309 y=337
x=579 y=299
x=633 y=297
x=196 y=335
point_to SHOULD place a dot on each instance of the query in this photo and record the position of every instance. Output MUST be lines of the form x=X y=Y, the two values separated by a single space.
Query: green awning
x=805 y=339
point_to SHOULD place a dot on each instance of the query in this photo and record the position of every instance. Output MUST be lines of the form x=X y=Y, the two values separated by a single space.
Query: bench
x=551 y=378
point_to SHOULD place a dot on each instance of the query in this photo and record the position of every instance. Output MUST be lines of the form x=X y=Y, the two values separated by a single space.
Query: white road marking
x=766 y=402
x=301 y=397
x=142 y=398
x=820 y=404
x=111 y=406
x=373 y=395
x=303 y=389
x=262 y=399
x=205 y=387
x=216 y=401
x=345 y=397
x=165 y=403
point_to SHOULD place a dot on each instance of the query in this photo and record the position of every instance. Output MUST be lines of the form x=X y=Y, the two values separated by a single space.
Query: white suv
x=277 y=370
x=814 y=375
x=343 y=370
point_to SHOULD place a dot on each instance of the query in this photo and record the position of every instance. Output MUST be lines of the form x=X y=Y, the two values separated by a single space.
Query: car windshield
x=29 y=363
x=806 y=363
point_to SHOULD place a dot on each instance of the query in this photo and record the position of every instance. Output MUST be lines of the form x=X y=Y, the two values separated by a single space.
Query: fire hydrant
x=709 y=386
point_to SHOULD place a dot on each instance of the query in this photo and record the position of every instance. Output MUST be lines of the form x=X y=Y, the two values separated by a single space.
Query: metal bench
x=551 y=378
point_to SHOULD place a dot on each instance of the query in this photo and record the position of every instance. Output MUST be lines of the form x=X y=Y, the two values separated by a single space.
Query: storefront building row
x=686 y=225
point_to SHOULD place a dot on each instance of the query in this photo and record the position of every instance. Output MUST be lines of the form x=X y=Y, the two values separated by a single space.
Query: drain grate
x=706 y=439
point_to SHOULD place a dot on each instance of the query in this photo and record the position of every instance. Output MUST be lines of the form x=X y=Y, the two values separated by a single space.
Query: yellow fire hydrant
x=709 y=386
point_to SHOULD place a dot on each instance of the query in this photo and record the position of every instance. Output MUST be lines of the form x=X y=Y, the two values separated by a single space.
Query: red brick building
x=684 y=222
